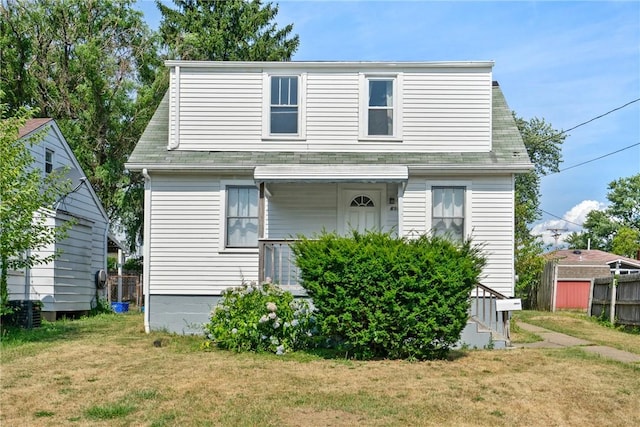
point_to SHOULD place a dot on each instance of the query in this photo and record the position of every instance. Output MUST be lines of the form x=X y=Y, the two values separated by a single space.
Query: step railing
x=277 y=264
x=484 y=311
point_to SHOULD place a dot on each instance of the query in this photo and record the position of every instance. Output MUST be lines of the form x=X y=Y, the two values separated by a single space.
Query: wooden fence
x=130 y=289
x=542 y=296
x=619 y=303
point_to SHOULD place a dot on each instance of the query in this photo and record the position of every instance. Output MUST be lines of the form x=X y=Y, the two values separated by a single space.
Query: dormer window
x=381 y=107
x=380 y=112
x=284 y=105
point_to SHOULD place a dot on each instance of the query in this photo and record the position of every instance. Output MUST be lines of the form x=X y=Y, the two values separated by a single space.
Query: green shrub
x=377 y=296
x=260 y=318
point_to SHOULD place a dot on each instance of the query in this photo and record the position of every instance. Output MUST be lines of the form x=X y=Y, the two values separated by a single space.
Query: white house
x=67 y=284
x=242 y=156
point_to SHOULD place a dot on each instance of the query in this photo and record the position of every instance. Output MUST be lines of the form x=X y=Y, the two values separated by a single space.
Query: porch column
x=261 y=212
x=261 y=233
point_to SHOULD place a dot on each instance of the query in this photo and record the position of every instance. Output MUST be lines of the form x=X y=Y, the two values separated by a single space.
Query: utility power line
x=597 y=158
x=558 y=217
x=589 y=121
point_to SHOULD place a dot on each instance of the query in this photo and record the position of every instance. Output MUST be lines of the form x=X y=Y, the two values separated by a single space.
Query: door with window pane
x=362 y=211
x=448 y=212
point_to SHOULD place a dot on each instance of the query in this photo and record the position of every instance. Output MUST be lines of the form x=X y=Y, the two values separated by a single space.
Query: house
x=66 y=285
x=240 y=157
x=573 y=273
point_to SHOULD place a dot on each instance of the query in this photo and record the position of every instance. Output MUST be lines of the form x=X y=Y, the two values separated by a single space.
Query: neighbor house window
x=242 y=217
x=284 y=105
x=380 y=107
x=48 y=160
x=448 y=212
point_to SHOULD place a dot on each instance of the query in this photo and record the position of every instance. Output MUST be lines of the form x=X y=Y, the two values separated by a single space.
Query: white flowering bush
x=259 y=318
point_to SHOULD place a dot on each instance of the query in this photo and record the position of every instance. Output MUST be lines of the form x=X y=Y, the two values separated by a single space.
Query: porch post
x=261 y=234
x=261 y=212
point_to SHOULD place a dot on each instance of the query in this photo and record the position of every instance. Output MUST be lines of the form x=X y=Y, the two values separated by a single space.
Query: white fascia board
x=331 y=173
x=359 y=65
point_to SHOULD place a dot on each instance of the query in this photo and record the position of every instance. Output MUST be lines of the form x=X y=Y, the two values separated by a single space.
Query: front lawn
x=579 y=325
x=107 y=371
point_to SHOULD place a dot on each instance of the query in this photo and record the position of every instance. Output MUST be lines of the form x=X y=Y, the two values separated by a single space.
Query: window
x=362 y=201
x=448 y=212
x=48 y=160
x=380 y=107
x=242 y=217
x=284 y=105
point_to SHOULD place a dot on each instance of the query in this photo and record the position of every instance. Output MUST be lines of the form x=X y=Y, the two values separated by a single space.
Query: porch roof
x=331 y=173
x=508 y=154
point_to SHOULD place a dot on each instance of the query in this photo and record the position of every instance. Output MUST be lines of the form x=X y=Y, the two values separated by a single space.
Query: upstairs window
x=284 y=105
x=48 y=160
x=380 y=107
x=448 y=212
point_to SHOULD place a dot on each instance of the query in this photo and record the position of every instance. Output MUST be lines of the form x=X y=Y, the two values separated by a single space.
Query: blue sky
x=566 y=62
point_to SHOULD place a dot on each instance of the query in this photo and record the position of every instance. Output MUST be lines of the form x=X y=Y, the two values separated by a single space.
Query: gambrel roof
x=508 y=152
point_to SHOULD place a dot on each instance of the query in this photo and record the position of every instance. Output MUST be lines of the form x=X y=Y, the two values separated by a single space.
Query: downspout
x=146 y=249
x=104 y=262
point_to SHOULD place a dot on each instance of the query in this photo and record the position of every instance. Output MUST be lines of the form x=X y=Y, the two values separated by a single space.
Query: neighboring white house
x=241 y=156
x=67 y=284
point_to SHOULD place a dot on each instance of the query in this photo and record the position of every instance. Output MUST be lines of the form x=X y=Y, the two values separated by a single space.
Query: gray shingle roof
x=508 y=154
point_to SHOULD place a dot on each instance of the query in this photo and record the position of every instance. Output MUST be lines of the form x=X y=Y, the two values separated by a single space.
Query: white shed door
x=362 y=212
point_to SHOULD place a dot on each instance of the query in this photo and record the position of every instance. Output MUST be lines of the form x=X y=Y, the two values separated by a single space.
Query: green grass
x=109 y=412
x=579 y=325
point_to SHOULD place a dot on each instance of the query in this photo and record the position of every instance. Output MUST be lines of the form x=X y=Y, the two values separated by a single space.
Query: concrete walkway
x=552 y=339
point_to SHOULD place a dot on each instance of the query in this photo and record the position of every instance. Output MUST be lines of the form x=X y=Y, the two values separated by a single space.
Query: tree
x=25 y=202
x=617 y=228
x=204 y=30
x=544 y=145
x=626 y=242
x=90 y=66
x=225 y=30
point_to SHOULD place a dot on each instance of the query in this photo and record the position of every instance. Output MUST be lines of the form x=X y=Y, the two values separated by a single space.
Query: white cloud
x=571 y=221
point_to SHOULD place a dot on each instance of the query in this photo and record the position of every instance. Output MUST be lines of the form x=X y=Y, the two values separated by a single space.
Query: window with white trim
x=380 y=107
x=448 y=212
x=284 y=105
x=241 y=217
x=48 y=160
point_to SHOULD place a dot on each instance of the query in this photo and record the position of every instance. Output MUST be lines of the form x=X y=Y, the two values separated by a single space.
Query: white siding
x=441 y=110
x=219 y=110
x=332 y=110
x=493 y=226
x=185 y=251
x=489 y=222
x=414 y=204
x=301 y=209
x=447 y=111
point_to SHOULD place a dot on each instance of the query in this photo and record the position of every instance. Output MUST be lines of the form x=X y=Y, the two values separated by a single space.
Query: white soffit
x=331 y=173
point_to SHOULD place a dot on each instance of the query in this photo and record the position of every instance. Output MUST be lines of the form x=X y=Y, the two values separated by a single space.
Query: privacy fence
x=617 y=299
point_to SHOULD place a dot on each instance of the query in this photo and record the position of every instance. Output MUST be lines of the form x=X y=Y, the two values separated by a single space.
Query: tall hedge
x=377 y=296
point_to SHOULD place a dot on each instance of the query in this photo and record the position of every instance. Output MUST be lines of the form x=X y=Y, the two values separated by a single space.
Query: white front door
x=362 y=210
